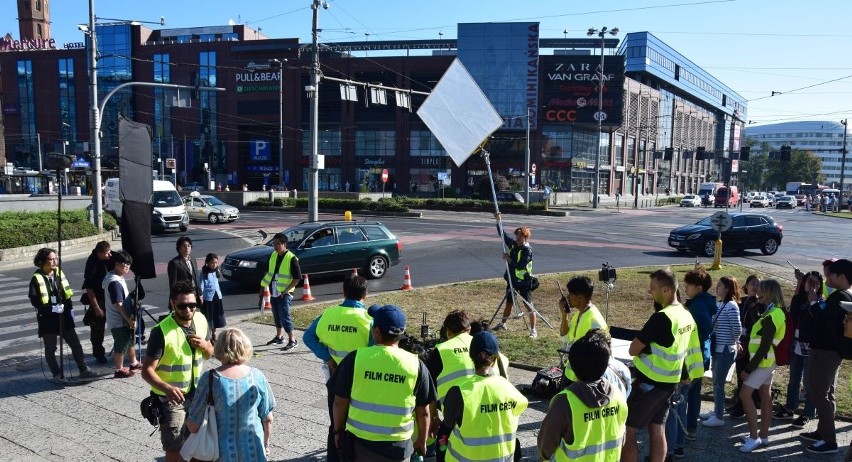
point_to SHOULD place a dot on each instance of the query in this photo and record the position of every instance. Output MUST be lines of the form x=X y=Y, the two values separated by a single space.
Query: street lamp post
x=843 y=161
x=313 y=196
x=280 y=118
x=94 y=122
x=600 y=115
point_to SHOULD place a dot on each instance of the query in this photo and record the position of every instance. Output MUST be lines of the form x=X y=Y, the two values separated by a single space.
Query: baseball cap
x=484 y=341
x=388 y=318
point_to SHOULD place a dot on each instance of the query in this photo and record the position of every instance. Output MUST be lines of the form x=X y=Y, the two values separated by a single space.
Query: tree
x=764 y=173
x=483 y=186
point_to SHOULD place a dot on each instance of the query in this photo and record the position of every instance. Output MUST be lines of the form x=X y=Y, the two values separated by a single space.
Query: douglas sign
x=570 y=93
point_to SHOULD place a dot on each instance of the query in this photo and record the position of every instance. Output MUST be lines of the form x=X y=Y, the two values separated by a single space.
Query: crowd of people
x=387 y=404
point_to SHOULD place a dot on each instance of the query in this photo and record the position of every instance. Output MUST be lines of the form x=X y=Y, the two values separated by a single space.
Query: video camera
x=607 y=273
x=420 y=346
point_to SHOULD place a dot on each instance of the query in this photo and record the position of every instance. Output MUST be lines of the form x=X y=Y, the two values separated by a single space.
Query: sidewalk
x=101 y=421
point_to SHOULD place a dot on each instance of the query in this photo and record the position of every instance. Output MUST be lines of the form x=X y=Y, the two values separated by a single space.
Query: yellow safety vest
x=180 y=364
x=779 y=319
x=579 y=325
x=381 y=405
x=283 y=277
x=664 y=364
x=455 y=358
x=598 y=431
x=344 y=329
x=492 y=408
x=521 y=273
x=62 y=286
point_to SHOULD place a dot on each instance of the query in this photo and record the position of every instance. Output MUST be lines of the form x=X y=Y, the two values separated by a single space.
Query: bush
x=19 y=229
x=483 y=186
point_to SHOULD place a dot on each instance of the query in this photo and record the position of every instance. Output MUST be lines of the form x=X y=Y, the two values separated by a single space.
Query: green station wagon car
x=332 y=247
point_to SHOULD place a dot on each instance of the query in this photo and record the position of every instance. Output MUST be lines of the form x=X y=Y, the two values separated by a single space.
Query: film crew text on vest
x=602 y=412
x=496 y=407
x=342 y=328
x=384 y=376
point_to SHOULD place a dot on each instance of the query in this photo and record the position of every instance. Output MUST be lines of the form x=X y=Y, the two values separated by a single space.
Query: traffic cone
x=354 y=271
x=266 y=301
x=306 y=290
x=406 y=280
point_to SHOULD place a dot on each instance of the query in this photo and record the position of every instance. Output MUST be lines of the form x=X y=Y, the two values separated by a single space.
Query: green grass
x=19 y=229
x=629 y=307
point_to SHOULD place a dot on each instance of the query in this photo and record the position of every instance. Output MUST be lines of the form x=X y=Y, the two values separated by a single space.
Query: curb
x=21 y=257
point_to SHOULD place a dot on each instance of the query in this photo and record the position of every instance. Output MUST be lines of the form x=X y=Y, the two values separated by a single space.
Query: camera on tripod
x=607 y=273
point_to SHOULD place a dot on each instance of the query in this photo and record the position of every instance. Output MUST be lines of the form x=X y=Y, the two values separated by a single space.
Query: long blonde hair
x=771 y=293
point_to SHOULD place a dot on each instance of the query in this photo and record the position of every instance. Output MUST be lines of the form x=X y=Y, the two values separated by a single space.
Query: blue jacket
x=703 y=307
x=209 y=285
x=313 y=342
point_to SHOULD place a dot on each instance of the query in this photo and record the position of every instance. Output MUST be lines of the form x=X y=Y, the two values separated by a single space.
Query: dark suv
x=748 y=231
x=323 y=248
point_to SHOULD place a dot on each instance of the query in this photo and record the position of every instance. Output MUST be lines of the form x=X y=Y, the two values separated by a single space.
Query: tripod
x=137 y=294
x=518 y=312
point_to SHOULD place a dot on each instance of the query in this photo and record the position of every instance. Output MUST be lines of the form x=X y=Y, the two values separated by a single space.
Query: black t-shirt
x=424 y=394
x=658 y=329
x=93 y=276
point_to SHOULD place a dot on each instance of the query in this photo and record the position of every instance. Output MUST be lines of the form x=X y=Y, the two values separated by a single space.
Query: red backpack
x=784 y=350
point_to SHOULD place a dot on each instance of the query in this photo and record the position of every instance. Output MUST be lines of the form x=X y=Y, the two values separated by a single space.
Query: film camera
x=607 y=273
x=420 y=346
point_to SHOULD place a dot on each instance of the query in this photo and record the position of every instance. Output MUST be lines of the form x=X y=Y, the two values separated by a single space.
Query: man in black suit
x=183 y=267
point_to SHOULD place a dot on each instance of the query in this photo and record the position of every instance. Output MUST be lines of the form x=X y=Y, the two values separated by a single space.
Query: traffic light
x=668 y=154
x=744 y=152
x=699 y=153
x=786 y=152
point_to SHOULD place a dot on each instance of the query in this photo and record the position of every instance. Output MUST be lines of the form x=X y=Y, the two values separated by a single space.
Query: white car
x=690 y=201
x=760 y=201
x=209 y=208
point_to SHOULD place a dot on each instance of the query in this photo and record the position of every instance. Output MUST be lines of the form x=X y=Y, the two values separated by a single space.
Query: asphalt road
x=444 y=247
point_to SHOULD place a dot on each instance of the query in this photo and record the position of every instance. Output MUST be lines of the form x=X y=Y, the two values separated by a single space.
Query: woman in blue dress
x=242 y=398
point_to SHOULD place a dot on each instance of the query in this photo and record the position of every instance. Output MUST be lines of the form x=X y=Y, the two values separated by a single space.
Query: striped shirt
x=727 y=326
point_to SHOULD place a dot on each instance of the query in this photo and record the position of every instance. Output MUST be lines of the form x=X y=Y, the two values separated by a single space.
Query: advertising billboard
x=570 y=91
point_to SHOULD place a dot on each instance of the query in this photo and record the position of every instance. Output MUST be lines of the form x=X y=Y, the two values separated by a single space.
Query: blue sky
x=755 y=47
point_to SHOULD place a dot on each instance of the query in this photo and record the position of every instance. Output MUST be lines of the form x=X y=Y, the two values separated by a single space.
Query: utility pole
x=95 y=122
x=843 y=162
x=313 y=195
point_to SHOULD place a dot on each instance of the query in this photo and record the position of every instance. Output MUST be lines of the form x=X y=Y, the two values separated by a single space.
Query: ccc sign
x=561 y=115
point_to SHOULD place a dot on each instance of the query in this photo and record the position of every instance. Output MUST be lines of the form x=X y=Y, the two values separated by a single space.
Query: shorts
x=122 y=338
x=759 y=377
x=647 y=405
x=173 y=431
x=523 y=291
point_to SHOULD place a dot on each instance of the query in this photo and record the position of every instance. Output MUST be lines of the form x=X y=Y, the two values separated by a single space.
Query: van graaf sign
x=571 y=91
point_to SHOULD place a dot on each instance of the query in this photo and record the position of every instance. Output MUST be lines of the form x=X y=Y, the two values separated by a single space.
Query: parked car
x=323 y=248
x=748 y=231
x=786 y=202
x=690 y=201
x=209 y=208
x=510 y=197
x=760 y=201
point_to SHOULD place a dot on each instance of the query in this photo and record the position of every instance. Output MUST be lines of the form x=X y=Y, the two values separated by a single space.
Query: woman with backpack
x=763 y=337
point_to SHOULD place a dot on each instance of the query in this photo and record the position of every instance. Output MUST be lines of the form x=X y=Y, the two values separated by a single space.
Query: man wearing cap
x=481 y=414
x=380 y=391
x=586 y=421
x=825 y=357
x=338 y=331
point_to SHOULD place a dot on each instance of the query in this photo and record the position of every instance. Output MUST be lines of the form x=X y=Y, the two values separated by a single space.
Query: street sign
x=600 y=116
x=384 y=175
x=170 y=163
x=721 y=221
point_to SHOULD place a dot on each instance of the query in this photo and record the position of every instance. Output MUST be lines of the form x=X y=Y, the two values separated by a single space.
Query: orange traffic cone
x=354 y=271
x=266 y=301
x=306 y=290
x=406 y=280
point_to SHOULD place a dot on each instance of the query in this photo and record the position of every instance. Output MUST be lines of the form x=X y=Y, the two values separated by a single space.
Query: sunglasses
x=183 y=306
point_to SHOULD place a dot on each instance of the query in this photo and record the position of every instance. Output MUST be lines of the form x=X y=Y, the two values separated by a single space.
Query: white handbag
x=204 y=444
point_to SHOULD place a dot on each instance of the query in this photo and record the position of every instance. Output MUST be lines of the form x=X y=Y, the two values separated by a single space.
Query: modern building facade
x=654 y=99
x=823 y=138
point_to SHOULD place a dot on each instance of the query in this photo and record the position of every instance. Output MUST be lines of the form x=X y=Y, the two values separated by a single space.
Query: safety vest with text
x=779 y=320
x=664 y=364
x=579 y=325
x=598 y=431
x=381 y=404
x=282 y=277
x=492 y=408
x=456 y=362
x=180 y=365
x=62 y=286
x=344 y=329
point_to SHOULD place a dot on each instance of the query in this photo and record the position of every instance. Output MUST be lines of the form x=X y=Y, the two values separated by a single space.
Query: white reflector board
x=459 y=114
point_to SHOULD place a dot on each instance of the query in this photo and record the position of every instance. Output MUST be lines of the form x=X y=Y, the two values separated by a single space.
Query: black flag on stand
x=135 y=189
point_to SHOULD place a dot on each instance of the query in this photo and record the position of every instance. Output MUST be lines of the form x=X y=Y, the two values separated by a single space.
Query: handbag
x=203 y=445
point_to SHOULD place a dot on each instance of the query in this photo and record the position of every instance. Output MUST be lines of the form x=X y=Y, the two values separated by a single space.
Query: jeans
x=693 y=406
x=722 y=363
x=798 y=370
x=281 y=312
x=675 y=436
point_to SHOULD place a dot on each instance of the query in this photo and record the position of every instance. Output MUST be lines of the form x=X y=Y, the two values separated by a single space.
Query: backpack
x=784 y=350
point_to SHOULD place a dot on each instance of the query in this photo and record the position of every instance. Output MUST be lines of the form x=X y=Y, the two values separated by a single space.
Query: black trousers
x=331 y=449
x=72 y=341
x=98 y=331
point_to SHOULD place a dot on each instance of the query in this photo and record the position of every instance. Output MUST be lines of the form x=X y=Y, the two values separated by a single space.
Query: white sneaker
x=706 y=415
x=714 y=421
x=500 y=326
x=533 y=333
x=750 y=444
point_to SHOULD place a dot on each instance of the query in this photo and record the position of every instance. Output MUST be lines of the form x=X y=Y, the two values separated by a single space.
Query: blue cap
x=484 y=341
x=388 y=318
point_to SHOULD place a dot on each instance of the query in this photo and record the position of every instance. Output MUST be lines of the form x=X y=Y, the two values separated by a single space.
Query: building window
x=67 y=100
x=424 y=143
x=375 y=143
x=38 y=5
x=328 y=143
x=38 y=31
x=162 y=110
x=27 y=148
